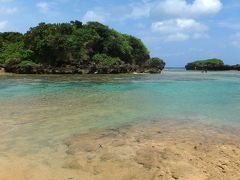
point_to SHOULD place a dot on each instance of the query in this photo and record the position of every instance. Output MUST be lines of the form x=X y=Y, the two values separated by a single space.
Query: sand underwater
x=177 y=125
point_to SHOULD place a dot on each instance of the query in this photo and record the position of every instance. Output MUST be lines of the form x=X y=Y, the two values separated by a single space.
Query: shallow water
x=38 y=112
x=44 y=109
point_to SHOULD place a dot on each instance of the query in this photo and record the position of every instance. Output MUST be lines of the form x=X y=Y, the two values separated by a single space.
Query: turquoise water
x=44 y=109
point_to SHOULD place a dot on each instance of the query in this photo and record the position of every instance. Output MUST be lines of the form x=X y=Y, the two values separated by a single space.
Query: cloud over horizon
x=180 y=29
x=177 y=19
x=43 y=7
x=180 y=8
x=94 y=16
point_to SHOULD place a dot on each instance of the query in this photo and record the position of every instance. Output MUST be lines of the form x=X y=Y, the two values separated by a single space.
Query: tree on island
x=75 y=48
x=213 y=64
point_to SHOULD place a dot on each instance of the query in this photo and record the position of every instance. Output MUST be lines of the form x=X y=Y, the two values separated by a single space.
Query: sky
x=177 y=31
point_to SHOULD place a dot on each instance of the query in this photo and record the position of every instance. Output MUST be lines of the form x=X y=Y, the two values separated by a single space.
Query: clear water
x=43 y=110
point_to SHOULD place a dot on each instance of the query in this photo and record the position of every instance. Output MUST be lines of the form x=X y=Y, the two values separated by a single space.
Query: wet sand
x=150 y=150
x=3 y=73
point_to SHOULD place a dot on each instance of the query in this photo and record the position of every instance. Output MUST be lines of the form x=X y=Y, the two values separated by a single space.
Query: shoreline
x=120 y=127
x=3 y=72
x=146 y=150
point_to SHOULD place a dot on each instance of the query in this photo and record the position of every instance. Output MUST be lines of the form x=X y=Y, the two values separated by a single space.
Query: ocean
x=40 y=111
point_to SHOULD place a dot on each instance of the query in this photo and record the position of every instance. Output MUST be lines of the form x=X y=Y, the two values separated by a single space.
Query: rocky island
x=211 y=65
x=75 y=48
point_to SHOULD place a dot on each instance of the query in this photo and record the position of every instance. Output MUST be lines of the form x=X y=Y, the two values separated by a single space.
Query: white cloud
x=94 y=16
x=176 y=25
x=181 y=8
x=177 y=37
x=155 y=8
x=4 y=10
x=180 y=29
x=174 y=19
x=118 y=13
x=43 y=7
x=139 y=10
x=3 y=25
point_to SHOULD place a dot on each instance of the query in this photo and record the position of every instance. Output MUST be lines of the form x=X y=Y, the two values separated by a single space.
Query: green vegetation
x=208 y=61
x=106 y=60
x=211 y=65
x=73 y=43
x=12 y=46
x=26 y=63
x=60 y=43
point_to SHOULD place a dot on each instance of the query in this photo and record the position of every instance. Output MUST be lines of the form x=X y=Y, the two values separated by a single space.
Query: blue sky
x=178 y=31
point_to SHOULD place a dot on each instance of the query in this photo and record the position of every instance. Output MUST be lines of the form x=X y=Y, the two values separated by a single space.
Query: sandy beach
x=120 y=127
x=150 y=150
x=3 y=73
x=120 y=90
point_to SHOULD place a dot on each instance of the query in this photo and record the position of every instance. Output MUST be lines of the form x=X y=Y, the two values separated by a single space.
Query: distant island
x=75 y=48
x=211 y=65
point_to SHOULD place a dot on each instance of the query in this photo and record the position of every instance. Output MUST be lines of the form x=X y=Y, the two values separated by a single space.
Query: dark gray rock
x=152 y=66
x=212 y=67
